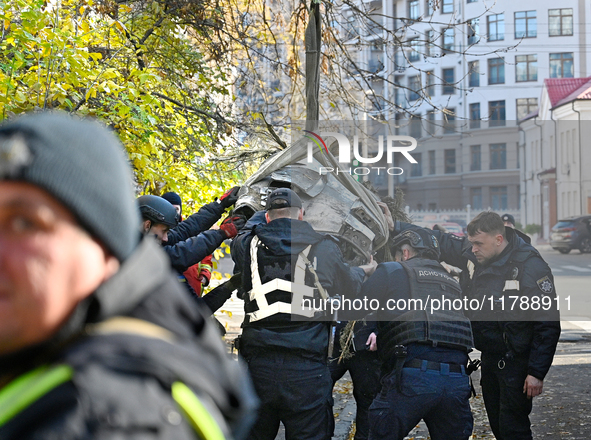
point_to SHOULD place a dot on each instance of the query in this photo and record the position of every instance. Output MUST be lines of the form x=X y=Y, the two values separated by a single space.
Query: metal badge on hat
x=14 y=156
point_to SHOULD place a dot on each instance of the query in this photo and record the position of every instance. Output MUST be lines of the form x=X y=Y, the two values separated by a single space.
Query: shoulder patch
x=545 y=284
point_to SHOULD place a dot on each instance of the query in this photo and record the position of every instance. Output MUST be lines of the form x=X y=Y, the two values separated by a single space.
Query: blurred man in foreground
x=97 y=338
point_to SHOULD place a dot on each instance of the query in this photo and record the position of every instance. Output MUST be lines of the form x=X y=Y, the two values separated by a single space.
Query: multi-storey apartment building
x=464 y=73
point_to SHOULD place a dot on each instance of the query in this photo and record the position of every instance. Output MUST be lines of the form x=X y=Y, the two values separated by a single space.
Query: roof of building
x=564 y=90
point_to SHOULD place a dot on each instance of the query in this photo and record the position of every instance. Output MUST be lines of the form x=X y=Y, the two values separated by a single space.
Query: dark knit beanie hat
x=80 y=163
x=173 y=198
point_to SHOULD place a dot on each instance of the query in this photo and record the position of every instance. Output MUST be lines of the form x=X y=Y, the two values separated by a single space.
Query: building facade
x=556 y=171
x=462 y=76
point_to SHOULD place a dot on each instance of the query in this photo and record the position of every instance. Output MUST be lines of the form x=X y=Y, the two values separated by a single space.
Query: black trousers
x=364 y=368
x=508 y=408
x=294 y=391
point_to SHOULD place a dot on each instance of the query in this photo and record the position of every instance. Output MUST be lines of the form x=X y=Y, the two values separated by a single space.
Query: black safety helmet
x=158 y=210
x=419 y=239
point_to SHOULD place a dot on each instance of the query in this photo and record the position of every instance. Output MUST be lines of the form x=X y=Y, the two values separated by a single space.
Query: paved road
x=572 y=274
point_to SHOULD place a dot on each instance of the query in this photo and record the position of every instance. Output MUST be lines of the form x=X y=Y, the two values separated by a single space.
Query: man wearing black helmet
x=158 y=217
x=187 y=243
x=424 y=352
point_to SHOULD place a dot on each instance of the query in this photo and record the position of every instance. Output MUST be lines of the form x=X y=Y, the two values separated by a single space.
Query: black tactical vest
x=428 y=281
x=269 y=322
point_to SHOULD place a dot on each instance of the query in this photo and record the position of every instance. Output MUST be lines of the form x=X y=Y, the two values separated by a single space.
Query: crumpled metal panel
x=330 y=207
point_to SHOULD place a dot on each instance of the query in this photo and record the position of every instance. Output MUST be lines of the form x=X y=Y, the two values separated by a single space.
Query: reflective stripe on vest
x=33 y=385
x=471 y=267
x=298 y=288
x=199 y=417
x=29 y=387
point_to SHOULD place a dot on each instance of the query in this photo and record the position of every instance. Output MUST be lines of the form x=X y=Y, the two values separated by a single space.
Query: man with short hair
x=517 y=344
x=287 y=353
x=97 y=339
x=424 y=352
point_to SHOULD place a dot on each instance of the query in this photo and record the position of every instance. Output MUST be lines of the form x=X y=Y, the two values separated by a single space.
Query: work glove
x=204 y=281
x=232 y=224
x=229 y=198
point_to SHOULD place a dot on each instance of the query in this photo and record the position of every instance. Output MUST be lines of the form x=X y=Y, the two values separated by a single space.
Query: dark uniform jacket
x=532 y=334
x=191 y=240
x=127 y=347
x=283 y=239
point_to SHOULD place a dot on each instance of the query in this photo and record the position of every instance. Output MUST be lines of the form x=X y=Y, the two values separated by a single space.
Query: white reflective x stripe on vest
x=297 y=288
x=471 y=267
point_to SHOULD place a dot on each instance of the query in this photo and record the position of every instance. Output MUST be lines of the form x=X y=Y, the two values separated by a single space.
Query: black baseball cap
x=508 y=218
x=283 y=198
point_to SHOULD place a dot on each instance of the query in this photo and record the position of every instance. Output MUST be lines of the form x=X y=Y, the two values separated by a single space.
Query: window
x=526 y=68
x=475 y=115
x=416 y=129
x=496 y=27
x=496 y=111
x=496 y=71
x=449 y=120
x=430 y=83
x=416 y=169
x=561 y=65
x=525 y=106
x=376 y=57
x=447 y=7
x=431 y=127
x=429 y=43
x=560 y=22
x=475 y=162
x=474 y=31
x=374 y=25
x=414 y=54
x=429 y=7
x=432 y=206
x=448 y=40
x=498 y=196
x=450 y=161
x=413 y=9
x=498 y=156
x=349 y=28
x=377 y=102
x=474 y=74
x=476 y=198
x=414 y=85
x=526 y=24
x=432 y=162
x=448 y=81
x=399 y=97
